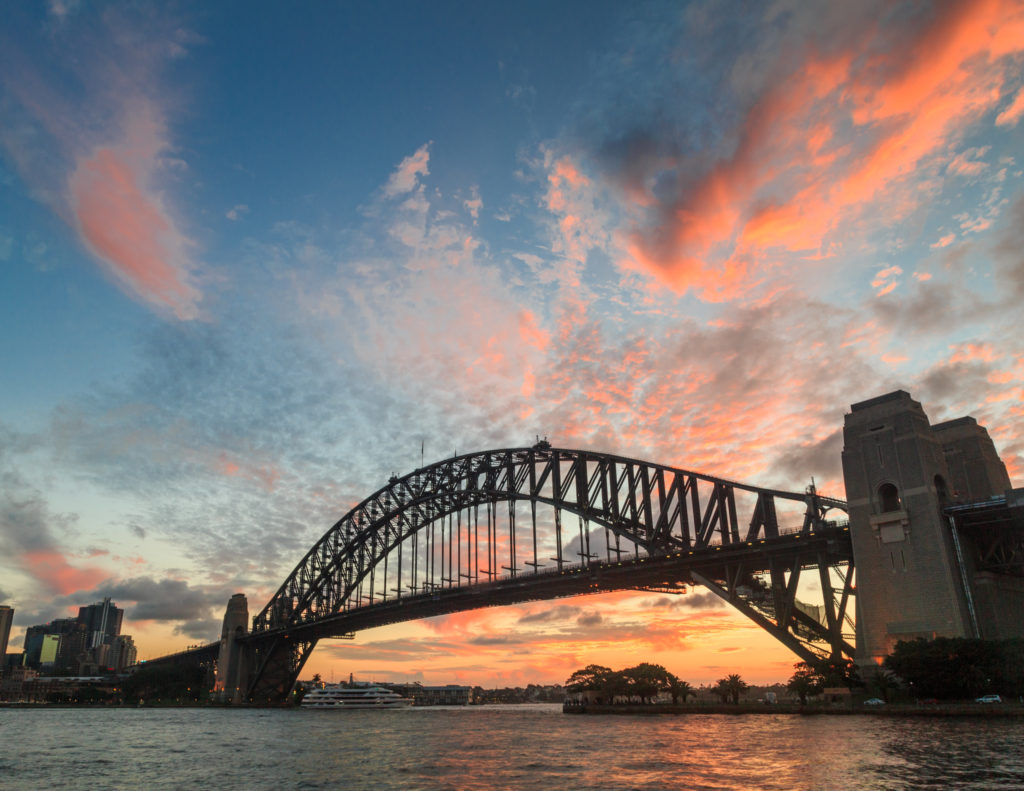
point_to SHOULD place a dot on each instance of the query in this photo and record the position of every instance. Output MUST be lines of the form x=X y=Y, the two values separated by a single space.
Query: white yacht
x=339 y=696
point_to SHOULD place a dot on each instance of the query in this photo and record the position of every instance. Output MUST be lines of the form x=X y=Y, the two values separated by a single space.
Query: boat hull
x=334 y=697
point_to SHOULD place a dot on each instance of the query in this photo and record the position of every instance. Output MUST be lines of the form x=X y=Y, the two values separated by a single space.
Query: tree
x=840 y=673
x=957 y=668
x=681 y=690
x=732 y=686
x=885 y=682
x=646 y=681
x=805 y=681
x=592 y=678
x=159 y=683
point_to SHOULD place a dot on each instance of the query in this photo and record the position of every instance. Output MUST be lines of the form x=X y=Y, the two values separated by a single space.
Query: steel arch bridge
x=499 y=527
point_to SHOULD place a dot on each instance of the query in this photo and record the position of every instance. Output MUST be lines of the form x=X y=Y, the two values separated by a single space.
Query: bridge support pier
x=234 y=663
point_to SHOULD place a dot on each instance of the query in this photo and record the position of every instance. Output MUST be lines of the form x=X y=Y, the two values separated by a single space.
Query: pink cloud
x=406 y=176
x=968 y=163
x=52 y=569
x=885 y=281
x=530 y=332
x=580 y=224
x=123 y=222
x=1012 y=114
x=266 y=476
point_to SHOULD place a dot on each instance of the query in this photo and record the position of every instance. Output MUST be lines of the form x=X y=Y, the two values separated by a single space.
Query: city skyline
x=255 y=260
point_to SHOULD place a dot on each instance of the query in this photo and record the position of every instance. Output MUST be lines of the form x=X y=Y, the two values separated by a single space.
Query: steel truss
x=445 y=538
x=994 y=530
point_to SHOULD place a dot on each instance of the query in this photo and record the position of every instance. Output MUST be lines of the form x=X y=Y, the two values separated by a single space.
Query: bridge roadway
x=728 y=566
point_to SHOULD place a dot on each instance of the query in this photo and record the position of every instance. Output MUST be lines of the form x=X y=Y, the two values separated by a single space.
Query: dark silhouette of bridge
x=501 y=527
x=506 y=526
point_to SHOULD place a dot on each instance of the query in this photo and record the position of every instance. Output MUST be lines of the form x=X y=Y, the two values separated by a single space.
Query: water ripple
x=524 y=748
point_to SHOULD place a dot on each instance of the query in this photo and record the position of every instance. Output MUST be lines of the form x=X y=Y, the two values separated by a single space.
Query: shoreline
x=1001 y=710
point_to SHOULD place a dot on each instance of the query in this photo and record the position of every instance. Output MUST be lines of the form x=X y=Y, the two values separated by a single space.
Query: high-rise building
x=6 y=619
x=90 y=639
x=49 y=650
x=70 y=643
x=123 y=653
x=102 y=622
x=73 y=642
x=34 y=643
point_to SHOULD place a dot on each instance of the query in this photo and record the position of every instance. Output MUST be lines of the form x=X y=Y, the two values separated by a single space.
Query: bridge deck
x=717 y=563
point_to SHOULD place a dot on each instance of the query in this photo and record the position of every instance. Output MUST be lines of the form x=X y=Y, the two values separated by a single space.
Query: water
x=500 y=747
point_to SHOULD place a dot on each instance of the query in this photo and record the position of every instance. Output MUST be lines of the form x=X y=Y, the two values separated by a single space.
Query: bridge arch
x=687 y=527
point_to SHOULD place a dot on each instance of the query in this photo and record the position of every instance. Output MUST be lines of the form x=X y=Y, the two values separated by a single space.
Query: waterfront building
x=12 y=661
x=448 y=695
x=12 y=686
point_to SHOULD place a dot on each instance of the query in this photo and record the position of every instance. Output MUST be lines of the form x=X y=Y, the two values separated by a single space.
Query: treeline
x=532 y=693
x=644 y=683
x=945 y=668
x=813 y=678
x=950 y=668
x=168 y=684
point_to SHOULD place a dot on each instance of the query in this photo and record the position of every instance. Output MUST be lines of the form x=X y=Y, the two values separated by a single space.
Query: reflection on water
x=510 y=747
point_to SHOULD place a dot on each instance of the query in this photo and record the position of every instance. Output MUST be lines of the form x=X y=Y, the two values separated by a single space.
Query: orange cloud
x=123 y=222
x=836 y=137
x=969 y=352
x=530 y=332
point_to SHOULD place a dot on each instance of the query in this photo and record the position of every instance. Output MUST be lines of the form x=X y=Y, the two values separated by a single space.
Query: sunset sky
x=253 y=256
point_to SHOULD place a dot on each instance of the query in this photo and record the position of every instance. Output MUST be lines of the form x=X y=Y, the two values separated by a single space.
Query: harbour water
x=499 y=747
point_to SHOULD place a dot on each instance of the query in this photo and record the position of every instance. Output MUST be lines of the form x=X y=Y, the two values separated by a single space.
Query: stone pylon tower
x=913 y=577
x=233 y=660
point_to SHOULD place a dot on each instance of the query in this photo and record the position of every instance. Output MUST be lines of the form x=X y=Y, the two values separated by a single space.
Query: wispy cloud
x=123 y=222
x=410 y=170
x=108 y=153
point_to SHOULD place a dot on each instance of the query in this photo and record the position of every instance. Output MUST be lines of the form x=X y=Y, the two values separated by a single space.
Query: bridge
x=501 y=527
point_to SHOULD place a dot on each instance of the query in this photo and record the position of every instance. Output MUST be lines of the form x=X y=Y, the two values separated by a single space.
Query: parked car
x=874 y=702
x=988 y=699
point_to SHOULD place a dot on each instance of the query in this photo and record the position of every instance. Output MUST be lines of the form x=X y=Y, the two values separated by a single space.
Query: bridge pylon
x=234 y=662
x=917 y=576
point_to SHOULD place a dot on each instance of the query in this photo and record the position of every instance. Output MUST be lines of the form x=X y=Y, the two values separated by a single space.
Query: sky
x=255 y=256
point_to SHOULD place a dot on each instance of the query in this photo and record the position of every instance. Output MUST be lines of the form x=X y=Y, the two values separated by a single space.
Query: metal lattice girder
x=654 y=510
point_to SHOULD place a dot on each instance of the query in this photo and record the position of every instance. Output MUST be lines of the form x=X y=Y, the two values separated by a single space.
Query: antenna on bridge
x=423 y=443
